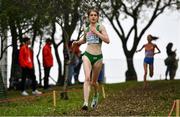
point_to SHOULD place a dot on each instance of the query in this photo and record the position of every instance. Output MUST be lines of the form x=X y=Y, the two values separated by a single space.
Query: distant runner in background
x=149 y=56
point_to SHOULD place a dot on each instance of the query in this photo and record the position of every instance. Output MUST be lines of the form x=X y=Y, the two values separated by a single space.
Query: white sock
x=85 y=104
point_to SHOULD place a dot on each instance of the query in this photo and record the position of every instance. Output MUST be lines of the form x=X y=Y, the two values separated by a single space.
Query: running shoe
x=95 y=101
x=85 y=108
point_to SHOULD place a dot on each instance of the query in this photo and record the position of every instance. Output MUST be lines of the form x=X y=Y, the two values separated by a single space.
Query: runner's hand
x=75 y=43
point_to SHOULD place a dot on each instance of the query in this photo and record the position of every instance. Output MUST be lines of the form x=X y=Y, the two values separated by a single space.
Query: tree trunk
x=39 y=65
x=3 y=57
x=2 y=87
x=64 y=94
x=130 y=73
x=14 y=65
x=60 y=78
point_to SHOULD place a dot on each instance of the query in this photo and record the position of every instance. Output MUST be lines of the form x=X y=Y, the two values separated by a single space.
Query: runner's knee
x=87 y=80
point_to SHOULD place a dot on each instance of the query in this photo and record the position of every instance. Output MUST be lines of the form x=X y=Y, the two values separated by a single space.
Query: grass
x=41 y=105
x=122 y=99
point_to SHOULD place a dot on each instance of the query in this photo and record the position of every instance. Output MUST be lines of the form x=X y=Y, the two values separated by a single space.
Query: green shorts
x=93 y=58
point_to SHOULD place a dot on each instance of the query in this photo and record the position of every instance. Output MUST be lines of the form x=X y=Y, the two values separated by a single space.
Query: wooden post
x=54 y=98
x=174 y=103
x=177 y=108
x=103 y=91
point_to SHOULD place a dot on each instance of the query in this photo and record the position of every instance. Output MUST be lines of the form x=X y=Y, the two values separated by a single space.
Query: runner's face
x=93 y=17
x=149 y=38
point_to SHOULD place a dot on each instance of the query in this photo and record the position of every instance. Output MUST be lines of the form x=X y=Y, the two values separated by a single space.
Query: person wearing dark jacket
x=47 y=62
x=77 y=67
x=26 y=64
x=171 y=62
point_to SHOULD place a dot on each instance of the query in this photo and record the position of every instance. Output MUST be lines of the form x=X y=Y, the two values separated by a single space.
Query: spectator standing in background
x=47 y=62
x=78 y=64
x=171 y=62
x=26 y=64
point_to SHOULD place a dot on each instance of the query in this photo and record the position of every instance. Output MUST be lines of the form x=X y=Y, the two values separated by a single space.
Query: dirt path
x=131 y=102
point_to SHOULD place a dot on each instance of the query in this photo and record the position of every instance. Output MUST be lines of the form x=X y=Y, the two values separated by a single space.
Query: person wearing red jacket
x=47 y=62
x=26 y=64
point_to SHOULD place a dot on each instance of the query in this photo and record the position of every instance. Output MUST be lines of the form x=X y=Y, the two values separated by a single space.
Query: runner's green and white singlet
x=92 y=38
